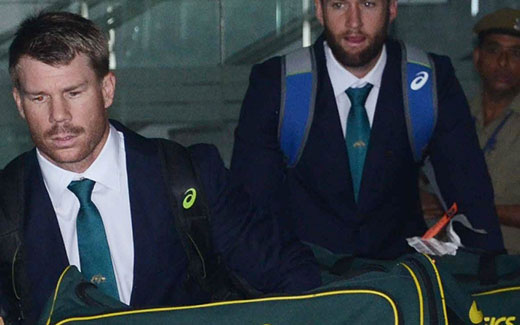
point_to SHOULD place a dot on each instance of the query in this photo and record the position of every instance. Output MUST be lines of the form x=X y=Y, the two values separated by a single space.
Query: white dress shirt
x=110 y=195
x=342 y=79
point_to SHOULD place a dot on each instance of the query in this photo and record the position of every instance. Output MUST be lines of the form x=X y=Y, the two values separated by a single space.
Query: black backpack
x=192 y=215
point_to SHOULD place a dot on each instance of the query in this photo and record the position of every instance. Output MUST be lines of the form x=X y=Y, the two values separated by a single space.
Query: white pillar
x=306 y=26
x=474 y=7
x=83 y=9
x=278 y=17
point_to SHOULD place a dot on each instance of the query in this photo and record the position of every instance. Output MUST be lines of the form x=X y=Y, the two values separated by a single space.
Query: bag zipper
x=428 y=286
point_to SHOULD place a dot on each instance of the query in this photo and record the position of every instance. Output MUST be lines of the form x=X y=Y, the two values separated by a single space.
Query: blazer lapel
x=44 y=252
x=140 y=169
x=326 y=136
x=386 y=129
x=154 y=232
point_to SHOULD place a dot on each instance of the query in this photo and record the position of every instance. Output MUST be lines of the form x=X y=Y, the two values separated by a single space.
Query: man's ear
x=476 y=57
x=319 y=10
x=108 y=87
x=392 y=10
x=18 y=101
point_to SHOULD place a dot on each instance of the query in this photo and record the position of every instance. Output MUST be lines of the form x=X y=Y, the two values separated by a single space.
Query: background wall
x=183 y=65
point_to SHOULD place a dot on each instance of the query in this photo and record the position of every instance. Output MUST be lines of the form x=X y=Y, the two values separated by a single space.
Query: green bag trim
x=56 y=293
x=236 y=302
x=419 y=292
x=441 y=289
x=386 y=297
x=495 y=291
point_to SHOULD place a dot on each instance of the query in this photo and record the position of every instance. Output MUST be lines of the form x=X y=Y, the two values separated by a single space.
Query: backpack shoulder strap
x=188 y=205
x=420 y=98
x=12 y=203
x=190 y=208
x=298 y=97
x=421 y=107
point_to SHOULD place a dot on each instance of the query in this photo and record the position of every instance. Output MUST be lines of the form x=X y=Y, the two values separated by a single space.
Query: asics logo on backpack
x=419 y=81
x=189 y=198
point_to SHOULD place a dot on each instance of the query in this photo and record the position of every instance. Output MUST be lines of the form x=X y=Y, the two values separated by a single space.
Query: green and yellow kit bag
x=492 y=281
x=407 y=291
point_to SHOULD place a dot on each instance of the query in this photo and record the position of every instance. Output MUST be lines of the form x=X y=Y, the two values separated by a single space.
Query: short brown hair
x=55 y=38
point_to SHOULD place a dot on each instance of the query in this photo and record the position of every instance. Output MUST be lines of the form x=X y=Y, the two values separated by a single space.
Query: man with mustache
x=497 y=113
x=94 y=194
x=364 y=206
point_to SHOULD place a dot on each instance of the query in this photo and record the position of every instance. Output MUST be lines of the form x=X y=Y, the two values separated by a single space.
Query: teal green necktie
x=94 y=253
x=358 y=134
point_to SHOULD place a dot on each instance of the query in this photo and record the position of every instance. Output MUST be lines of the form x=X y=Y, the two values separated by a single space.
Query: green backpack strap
x=191 y=212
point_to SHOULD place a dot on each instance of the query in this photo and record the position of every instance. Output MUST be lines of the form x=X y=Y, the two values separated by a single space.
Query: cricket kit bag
x=410 y=290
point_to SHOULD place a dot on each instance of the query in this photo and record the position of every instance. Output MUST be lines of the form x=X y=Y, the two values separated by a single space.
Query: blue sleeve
x=459 y=163
x=249 y=239
x=257 y=160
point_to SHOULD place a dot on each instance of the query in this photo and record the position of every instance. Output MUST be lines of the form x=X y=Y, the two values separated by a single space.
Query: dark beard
x=363 y=58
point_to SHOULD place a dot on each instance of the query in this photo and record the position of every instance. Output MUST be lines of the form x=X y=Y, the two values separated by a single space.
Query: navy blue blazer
x=248 y=239
x=317 y=194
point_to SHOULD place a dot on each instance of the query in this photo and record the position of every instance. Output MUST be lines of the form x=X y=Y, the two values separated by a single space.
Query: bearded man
x=364 y=207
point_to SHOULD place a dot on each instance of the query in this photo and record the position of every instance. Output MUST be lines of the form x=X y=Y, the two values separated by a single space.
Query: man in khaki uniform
x=497 y=113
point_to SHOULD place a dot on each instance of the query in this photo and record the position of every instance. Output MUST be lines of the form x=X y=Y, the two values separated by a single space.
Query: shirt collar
x=342 y=79
x=103 y=170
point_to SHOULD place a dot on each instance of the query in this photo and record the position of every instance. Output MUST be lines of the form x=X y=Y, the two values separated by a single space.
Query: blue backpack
x=298 y=97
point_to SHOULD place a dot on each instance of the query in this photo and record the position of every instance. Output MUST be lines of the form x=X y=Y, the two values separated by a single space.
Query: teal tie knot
x=94 y=252
x=357 y=136
x=83 y=190
x=358 y=96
